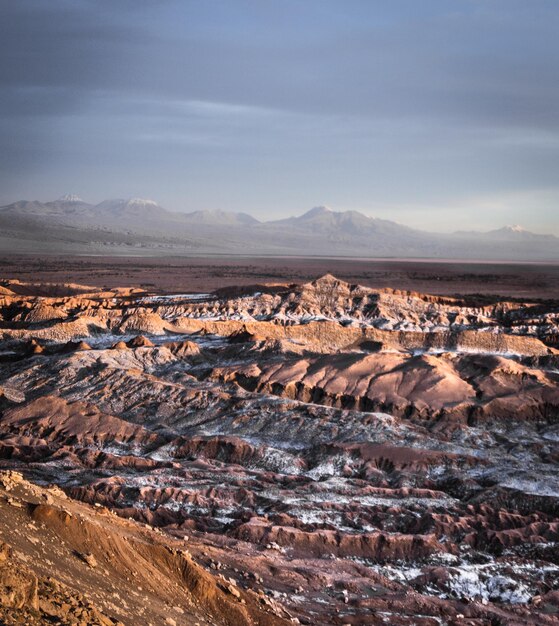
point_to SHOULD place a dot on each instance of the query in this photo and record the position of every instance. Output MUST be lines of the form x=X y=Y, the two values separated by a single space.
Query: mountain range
x=140 y=226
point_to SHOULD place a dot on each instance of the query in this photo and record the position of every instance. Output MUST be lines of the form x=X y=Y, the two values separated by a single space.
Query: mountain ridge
x=76 y=226
x=320 y=212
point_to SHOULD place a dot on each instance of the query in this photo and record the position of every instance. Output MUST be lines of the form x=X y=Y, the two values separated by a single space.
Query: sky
x=439 y=114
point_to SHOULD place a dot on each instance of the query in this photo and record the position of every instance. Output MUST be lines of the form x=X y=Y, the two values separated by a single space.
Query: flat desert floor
x=204 y=274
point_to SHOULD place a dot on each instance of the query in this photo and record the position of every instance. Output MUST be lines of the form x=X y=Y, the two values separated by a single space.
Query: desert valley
x=279 y=313
x=316 y=452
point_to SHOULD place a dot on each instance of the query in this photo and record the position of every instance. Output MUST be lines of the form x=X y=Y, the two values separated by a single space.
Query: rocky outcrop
x=145 y=322
x=445 y=386
x=18 y=585
x=44 y=313
x=52 y=419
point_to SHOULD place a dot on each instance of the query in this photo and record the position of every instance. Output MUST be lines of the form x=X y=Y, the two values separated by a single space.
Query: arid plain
x=204 y=274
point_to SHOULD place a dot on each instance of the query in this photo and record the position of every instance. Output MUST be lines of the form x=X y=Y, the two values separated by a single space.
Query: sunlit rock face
x=362 y=456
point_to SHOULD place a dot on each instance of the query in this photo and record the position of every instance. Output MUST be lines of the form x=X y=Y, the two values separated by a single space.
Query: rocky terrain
x=327 y=453
x=62 y=562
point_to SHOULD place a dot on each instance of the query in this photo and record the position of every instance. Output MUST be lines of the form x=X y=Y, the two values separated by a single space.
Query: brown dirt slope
x=65 y=562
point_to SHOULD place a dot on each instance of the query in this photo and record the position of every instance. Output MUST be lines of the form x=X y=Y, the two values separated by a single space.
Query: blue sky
x=441 y=114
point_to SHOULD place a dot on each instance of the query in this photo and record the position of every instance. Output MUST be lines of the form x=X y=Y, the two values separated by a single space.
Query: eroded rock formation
x=338 y=455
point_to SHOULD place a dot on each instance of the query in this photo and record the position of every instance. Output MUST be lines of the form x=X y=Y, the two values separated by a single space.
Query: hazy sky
x=442 y=114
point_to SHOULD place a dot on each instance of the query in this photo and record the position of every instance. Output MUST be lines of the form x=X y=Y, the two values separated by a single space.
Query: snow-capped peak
x=70 y=197
x=141 y=202
x=515 y=228
x=317 y=210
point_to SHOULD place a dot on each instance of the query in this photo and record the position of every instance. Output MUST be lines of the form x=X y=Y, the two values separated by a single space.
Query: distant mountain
x=67 y=205
x=133 y=208
x=141 y=226
x=509 y=233
x=221 y=218
x=144 y=212
x=70 y=198
x=324 y=220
